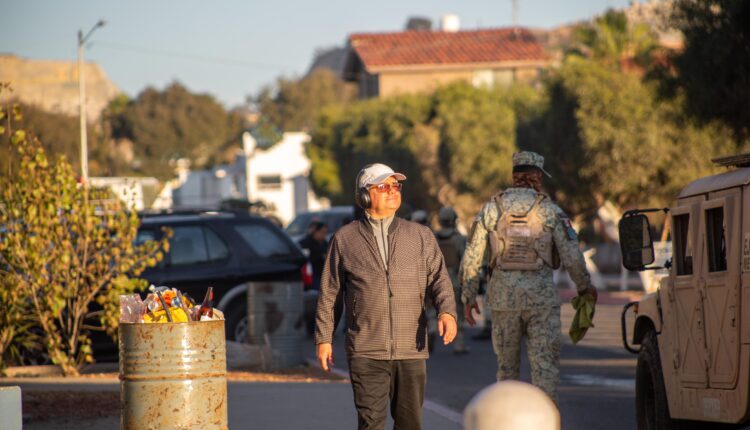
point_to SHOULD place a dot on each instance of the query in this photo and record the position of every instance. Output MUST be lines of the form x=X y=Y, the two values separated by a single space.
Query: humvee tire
x=651 y=408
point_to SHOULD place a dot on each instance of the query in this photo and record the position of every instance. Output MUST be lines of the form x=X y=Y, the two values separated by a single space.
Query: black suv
x=224 y=250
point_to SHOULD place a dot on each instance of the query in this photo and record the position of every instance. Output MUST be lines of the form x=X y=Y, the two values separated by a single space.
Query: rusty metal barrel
x=173 y=376
x=275 y=309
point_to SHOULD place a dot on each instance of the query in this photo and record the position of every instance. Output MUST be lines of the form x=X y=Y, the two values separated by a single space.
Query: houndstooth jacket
x=385 y=309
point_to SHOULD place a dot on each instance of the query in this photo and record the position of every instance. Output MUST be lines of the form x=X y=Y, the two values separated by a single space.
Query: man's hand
x=324 y=351
x=468 y=315
x=447 y=328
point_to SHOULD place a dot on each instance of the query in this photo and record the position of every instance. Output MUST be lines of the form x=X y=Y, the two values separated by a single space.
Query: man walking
x=385 y=268
x=528 y=235
x=452 y=245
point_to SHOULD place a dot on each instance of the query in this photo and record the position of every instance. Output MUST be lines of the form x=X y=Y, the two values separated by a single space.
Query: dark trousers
x=376 y=381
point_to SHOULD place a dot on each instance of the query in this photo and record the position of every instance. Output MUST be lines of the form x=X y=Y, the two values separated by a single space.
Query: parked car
x=334 y=217
x=223 y=250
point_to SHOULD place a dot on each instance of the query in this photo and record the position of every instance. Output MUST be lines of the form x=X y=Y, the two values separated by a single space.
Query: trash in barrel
x=275 y=310
x=172 y=374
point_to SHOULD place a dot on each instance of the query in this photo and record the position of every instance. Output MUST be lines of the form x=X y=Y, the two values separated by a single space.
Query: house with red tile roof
x=385 y=64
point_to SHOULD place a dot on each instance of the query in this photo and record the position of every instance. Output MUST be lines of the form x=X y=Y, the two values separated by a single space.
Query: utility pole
x=515 y=17
x=82 y=102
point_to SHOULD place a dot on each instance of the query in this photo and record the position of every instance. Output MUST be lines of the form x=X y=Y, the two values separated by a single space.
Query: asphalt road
x=597 y=388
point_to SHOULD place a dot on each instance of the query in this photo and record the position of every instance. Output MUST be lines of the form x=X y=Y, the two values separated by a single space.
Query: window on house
x=716 y=240
x=683 y=249
x=483 y=78
x=269 y=182
x=504 y=77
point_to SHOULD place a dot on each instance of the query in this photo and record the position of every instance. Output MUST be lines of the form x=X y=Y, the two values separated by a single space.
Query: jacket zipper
x=389 y=293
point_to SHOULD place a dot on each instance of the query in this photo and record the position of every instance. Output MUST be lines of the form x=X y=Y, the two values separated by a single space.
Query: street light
x=82 y=102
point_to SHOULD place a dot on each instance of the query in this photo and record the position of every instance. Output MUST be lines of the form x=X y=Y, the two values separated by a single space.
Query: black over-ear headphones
x=362 y=194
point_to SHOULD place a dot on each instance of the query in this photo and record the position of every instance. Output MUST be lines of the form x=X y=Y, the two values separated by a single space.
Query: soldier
x=452 y=244
x=528 y=235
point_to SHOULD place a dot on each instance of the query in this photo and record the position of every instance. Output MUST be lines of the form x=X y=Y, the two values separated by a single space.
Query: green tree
x=713 y=69
x=295 y=104
x=454 y=145
x=610 y=137
x=59 y=133
x=610 y=38
x=478 y=137
x=175 y=123
x=63 y=246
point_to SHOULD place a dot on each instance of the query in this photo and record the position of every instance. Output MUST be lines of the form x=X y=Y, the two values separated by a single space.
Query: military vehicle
x=693 y=368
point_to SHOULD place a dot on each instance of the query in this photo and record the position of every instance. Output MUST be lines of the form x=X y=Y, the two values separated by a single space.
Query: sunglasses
x=384 y=188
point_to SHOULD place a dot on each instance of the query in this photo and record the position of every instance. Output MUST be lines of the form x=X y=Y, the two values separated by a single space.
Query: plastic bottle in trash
x=206 y=311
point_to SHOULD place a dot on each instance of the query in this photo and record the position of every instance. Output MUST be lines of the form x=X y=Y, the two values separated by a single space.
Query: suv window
x=683 y=249
x=334 y=221
x=716 y=240
x=144 y=236
x=264 y=242
x=196 y=244
x=299 y=225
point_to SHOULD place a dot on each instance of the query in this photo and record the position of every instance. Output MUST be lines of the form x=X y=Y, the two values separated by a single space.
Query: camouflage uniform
x=524 y=302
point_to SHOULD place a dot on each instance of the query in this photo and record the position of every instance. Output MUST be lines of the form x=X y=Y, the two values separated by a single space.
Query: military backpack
x=519 y=241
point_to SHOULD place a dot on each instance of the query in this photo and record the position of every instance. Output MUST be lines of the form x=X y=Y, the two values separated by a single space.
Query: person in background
x=419 y=216
x=528 y=237
x=452 y=244
x=316 y=244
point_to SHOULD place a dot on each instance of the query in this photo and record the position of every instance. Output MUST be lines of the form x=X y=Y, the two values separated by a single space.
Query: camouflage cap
x=528 y=158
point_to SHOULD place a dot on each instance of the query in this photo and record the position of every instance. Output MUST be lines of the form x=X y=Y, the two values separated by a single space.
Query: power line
x=187 y=56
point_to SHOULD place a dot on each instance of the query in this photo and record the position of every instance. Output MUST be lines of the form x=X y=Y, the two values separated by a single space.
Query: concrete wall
x=287 y=161
x=401 y=82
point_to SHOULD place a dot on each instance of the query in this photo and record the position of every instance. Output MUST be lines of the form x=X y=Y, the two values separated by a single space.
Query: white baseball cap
x=374 y=174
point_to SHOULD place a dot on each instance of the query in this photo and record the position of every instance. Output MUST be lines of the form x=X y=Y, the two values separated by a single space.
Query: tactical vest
x=450 y=251
x=519 y=241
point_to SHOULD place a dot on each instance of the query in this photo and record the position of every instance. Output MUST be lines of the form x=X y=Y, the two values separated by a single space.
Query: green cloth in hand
x=583 y=319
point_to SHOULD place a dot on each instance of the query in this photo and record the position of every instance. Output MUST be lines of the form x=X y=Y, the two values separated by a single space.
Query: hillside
x=53 y=85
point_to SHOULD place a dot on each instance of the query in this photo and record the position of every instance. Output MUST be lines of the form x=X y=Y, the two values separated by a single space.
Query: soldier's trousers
x=541 y=327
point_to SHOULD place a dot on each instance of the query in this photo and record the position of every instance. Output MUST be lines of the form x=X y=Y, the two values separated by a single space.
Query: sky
x=232 y=48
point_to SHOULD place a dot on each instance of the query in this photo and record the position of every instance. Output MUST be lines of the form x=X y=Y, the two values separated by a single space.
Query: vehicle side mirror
x=635 y=242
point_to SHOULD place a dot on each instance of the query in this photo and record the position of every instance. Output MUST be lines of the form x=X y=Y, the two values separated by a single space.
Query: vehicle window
x=144 y=236
x=188 y=246
x=336 y=221
x=217 y=249
x=262 y=240
x=299 y=225
x=716 y=240
x=683 y=248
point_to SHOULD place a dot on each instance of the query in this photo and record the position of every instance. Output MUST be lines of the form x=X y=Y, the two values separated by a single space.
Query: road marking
x=598 y=381
x=444 y=411
x=599 y=362
x=434 y=407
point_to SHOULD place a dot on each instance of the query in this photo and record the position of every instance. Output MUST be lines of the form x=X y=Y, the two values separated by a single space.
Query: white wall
x=288 y=160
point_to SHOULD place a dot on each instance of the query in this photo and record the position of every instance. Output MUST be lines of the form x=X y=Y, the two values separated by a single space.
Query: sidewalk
x=252 y=405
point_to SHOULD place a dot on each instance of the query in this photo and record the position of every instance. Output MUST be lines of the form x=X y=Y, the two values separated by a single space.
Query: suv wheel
x=236 y=317
x=651 y=406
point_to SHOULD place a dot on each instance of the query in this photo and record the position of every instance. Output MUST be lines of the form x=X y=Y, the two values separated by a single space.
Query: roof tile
x=409 y=48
